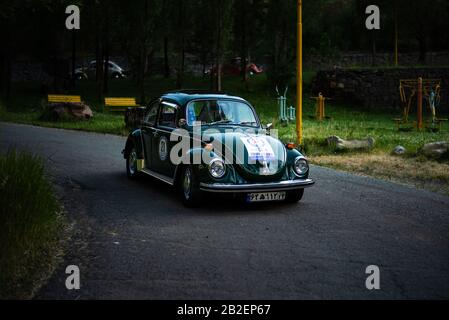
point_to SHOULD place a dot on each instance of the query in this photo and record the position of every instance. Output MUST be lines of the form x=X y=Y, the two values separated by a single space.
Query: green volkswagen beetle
x=214 y=143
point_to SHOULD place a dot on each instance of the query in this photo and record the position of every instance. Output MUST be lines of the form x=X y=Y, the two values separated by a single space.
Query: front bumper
x=258 y=187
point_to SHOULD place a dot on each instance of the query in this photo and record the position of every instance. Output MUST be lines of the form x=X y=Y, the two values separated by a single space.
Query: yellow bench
x=56 y=98
x=119 y=104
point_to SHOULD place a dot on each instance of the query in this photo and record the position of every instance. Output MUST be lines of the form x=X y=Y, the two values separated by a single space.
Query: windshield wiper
x=248 y=123
x=219 y=122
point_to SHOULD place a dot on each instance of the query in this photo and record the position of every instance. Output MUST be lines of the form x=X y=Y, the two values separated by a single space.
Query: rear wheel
x=131 y=164
x=294 y=196
x=190 y=190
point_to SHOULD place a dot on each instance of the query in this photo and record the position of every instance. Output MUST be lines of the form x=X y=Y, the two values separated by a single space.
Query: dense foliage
x=210 y=31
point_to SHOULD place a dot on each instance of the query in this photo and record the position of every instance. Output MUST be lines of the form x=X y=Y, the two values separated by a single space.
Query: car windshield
x=215 y=112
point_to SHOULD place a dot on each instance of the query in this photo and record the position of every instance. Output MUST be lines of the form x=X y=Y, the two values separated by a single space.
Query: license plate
x=265 y=197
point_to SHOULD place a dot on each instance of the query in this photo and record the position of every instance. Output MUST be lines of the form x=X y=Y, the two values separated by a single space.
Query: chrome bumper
x=258 y=187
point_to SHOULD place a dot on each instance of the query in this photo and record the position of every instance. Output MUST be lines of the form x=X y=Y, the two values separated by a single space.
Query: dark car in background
x=89 y=71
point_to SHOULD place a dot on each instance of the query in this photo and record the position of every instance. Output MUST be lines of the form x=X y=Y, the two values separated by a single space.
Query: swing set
x=427 y=93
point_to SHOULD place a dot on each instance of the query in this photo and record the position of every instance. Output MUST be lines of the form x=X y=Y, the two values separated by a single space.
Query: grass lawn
x=347 y=122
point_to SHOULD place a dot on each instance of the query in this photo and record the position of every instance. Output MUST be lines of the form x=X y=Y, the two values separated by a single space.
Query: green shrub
x=29 y=223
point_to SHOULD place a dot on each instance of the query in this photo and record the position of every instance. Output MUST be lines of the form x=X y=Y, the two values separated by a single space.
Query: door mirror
x=268 y=128
x=182 y=123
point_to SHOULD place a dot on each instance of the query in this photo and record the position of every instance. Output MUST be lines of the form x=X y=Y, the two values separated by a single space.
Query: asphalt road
x=135 y=240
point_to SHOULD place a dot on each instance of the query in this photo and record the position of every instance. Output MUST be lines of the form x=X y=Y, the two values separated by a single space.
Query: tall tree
x=223 y=16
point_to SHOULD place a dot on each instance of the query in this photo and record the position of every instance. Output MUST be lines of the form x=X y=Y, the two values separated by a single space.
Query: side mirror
x=182 y=123
x=268 y=128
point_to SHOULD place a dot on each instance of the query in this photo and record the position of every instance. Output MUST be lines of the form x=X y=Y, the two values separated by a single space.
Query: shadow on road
x=151 y=193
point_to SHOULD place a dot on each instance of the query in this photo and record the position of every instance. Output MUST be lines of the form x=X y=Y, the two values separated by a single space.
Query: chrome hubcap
x=132 y=161
x=187 y=185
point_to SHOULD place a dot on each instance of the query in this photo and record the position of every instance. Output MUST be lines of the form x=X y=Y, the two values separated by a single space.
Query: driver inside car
x=211 y=112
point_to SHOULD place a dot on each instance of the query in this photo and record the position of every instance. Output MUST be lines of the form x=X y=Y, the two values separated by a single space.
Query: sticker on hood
x=258 y=148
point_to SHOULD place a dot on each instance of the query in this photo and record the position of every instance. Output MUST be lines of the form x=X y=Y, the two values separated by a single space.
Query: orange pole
x=320 y=99
x=323 y=112
x=420 y=111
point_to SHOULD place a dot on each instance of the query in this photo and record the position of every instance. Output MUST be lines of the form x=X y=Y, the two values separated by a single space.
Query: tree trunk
x=422 y=50
x=8 y=78
x=244 y=46
x=143 y=54
x=166 y=60
x=2 y=62
x=73 y=82
x=373 y=52
x=2 y=73
x=180 y=74
x=98 y=56
x=106 y=52
x=219 y=78
x=7 y=62
x=218 y=68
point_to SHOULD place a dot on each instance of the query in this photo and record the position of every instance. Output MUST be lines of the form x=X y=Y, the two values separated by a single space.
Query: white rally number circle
x=163 y=148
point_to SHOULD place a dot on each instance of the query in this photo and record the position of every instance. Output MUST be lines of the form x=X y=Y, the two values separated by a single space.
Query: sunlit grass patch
x=430 y=175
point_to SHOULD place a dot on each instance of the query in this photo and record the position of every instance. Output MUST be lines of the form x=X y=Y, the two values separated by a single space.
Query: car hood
x=254 y=155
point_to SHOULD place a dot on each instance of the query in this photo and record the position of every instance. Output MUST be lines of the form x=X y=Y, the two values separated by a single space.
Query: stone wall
x=375 y=88
x=363 y=59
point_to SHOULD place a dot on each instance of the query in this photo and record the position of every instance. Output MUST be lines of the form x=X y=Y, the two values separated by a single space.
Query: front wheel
x=131 y=164
x=190 y=190
x=116 y=76
x=294 y=196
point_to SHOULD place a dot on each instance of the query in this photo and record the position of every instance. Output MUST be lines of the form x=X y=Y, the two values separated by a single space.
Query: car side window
x=167 y=117
x=150 y=118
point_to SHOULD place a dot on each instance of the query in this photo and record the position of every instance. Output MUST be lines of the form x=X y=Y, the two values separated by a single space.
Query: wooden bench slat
x=119 y=104
x=133 y=99
x=120 y=99
x=123 y=101
x=52 y=98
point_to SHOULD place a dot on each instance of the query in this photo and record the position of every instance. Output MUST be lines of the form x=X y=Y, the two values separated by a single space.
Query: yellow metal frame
x=320 y=106
x=408 y=89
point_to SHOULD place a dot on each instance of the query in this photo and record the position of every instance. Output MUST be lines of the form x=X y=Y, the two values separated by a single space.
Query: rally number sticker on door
x=163 y=148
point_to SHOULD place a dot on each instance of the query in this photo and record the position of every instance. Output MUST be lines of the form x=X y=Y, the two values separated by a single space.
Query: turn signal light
x=290 y=146
x=209 y=147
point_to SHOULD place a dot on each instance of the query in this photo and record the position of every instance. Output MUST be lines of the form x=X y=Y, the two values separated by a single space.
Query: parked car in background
x=89 y=71
x=234 y=67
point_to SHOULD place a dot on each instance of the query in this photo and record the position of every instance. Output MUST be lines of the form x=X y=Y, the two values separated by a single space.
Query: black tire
x=294 y=196
x=131 y=164
x=190 y=190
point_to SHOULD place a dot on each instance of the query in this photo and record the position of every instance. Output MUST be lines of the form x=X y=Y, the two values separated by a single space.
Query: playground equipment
x=427 y=93
x=285 y=114
x=320 y=107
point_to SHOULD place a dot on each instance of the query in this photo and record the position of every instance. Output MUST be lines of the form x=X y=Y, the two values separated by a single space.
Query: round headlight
x=217 y=168
x=301 y=166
